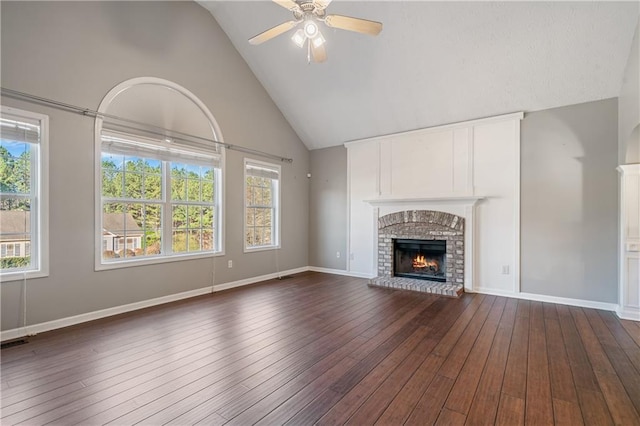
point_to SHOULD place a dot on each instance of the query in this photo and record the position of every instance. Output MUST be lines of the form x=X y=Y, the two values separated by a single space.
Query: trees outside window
x=23 y=194
x=159 y=200
x=262 y=202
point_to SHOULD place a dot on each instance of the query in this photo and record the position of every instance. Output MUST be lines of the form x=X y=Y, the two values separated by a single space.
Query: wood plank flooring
x=325 y=349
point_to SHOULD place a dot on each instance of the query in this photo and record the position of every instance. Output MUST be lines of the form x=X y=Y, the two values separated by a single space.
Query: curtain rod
x=159 y=131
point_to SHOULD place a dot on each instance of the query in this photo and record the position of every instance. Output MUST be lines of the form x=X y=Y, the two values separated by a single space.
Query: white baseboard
x=31 y=330
x=632 y=314
x=551 y=299
x=339 y=272
x=253 y=280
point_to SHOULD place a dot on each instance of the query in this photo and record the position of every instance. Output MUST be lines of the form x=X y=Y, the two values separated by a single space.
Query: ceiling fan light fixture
x=318 y=40
x=299 y=38
x=310 y=28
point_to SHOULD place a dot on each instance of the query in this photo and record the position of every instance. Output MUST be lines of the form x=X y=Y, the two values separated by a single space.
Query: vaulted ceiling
x=434 y=62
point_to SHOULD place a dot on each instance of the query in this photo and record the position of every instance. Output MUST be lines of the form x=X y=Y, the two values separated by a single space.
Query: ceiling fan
x=309 y=13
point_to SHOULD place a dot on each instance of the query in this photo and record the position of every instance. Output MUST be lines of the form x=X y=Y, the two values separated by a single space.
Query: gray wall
x=569 y=201
x=76 y=52
x=629 y=106
x=328 y=208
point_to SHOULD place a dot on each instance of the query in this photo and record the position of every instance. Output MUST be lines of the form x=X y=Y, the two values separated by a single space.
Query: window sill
x=154 y=261
x=261 y=248
x=21 y=275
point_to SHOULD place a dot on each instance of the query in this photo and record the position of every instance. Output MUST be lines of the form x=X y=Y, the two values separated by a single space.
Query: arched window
x=158 y=176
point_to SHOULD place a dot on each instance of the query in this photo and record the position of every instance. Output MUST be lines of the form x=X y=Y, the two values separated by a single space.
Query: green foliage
x=197 y=240
x=15 y=262
x=134 y=178
x=260 y=210
x=15 y=175
x=131 y=178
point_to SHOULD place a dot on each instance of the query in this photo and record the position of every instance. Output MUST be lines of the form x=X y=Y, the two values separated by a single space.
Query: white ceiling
x=434 y=62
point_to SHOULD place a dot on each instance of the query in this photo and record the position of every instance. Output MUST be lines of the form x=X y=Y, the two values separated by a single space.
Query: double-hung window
x=262 y=205
x=23 y=194
x=160 y=200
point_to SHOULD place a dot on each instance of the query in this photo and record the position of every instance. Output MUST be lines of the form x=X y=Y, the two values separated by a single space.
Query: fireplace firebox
x=420 y=259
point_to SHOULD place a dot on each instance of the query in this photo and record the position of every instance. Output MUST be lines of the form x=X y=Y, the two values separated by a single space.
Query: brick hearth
x=422 y=225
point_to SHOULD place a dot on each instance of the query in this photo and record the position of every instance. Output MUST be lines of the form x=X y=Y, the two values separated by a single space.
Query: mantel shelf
x=458 y=199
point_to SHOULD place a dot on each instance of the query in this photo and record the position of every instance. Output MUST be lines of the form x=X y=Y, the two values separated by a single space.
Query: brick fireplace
x=422 y=225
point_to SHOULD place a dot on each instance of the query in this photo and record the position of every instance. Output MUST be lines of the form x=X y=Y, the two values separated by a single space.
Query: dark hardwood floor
x=326 y=349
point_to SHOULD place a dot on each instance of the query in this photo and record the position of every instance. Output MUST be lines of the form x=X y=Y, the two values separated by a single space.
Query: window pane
x=178 y=182
x=179 y=241
x=195 y=241
x=207 y=218
x=128 y=229
x=249 y=196
x=257 y=196
x=261 y=200
x=193 y=190
x=153 y=186
x=258 y=236
x=15 y=224
x=208 y=191
x=208 y=241
x=179 y=216
x=142 y=181
x=152 y=243
x=259 y=217
x=267 y=213
x=250 y=216
x=133 y=185
x=15 y=202
x=15 y=167
x=249 y=237
x=195 y=216
x=112 y=183
x=266 y=196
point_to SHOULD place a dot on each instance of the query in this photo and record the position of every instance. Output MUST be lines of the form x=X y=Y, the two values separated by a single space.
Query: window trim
x=99 y=265
x=276 y=208
x=40 y=220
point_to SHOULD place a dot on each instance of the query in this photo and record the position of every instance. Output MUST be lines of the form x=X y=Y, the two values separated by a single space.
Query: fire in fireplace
x=421 y=259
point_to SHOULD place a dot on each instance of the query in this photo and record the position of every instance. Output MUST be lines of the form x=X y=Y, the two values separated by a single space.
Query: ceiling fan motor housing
x=308 y=9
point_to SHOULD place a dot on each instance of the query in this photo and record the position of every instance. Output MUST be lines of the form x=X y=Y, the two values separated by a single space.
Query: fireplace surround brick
x=422 y=225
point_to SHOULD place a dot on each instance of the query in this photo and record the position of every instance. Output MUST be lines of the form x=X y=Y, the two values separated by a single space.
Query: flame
x=421 y=262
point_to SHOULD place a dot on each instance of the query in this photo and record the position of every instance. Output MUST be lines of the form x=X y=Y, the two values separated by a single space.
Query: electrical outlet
x=505 y=269
x=338 y=255
x=351 y=256
x=230 y=264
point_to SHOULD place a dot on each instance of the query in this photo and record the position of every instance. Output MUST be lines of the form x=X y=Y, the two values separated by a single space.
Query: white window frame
x=39 y=200
x=167 y=204
x=276 y=195
x=100 y=264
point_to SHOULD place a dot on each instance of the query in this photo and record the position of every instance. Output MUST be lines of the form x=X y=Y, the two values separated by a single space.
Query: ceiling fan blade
x=287 y=4
x=273 y=32
x=319 y=53
x=321 y=4
x=358 y=25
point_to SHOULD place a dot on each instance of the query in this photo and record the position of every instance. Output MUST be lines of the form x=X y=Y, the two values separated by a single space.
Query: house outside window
x=160 y=200
x=23 y=194
x=262 y=205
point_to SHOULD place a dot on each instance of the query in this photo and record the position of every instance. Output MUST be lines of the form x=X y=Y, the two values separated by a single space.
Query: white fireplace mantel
x=454 y=199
